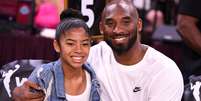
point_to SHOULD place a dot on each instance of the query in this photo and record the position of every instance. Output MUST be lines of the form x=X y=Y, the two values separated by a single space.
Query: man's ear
x=56 y=46
x=139 y=24
x=101 y=28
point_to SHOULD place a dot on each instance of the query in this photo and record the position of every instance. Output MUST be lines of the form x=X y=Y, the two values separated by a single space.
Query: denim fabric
x=53 y=71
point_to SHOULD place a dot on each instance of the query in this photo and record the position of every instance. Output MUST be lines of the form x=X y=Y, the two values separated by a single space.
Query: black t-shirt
x=191 y=8
x=191 y=63
x=15 y=74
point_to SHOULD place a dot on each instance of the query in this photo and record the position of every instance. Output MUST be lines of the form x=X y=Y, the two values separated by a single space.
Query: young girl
x=69 y=78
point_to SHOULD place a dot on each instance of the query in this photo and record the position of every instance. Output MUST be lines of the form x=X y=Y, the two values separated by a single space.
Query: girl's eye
x=109 y=23
x=70 y=44
x=86 y=44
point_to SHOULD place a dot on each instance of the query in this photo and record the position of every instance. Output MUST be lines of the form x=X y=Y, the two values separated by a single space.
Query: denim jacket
x=50 y=77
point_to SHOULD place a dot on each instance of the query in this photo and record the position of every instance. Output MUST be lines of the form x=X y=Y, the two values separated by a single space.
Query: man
x=189 y=26
x=126 y=69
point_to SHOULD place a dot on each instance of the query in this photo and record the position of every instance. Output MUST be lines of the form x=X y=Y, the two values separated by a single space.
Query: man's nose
x=117 y=29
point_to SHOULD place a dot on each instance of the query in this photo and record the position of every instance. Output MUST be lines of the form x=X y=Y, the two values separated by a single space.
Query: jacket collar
x=59 y=83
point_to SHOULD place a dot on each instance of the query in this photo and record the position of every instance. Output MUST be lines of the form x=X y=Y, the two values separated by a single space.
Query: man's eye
x=126 y=22
x=110 y=24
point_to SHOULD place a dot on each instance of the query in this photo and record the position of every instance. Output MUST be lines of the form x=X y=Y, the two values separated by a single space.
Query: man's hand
x=29 y=91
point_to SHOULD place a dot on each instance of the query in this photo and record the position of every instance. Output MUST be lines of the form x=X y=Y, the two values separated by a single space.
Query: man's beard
x=121 y=48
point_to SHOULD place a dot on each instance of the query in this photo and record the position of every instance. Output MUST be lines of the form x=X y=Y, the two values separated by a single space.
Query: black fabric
x=190 y=87
x=97 y=8
x=188 y=94
x=192 y=8
x=16 y=77
x=191 y=61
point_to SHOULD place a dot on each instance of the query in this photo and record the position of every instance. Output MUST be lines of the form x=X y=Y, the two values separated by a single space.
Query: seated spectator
x=154 y=18
x=47 y=13
x=47 y=16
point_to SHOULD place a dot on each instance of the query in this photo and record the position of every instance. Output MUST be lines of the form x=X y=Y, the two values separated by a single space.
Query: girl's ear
x=56 y=46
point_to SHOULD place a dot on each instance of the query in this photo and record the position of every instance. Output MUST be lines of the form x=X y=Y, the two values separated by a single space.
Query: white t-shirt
x=154 y=78
x=85 y=95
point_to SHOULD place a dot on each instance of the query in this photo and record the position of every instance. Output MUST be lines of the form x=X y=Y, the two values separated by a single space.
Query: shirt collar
x=59 y=82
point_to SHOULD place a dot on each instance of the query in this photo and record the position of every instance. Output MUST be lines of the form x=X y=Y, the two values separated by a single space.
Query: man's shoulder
x=99 y=52
x=159 y=60
x=164 y=67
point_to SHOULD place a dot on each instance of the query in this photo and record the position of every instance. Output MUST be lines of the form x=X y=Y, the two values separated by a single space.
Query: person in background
x=47 y=17
x=155 y=18
x=189 y=27
x=126 y=69
x=47 y=13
